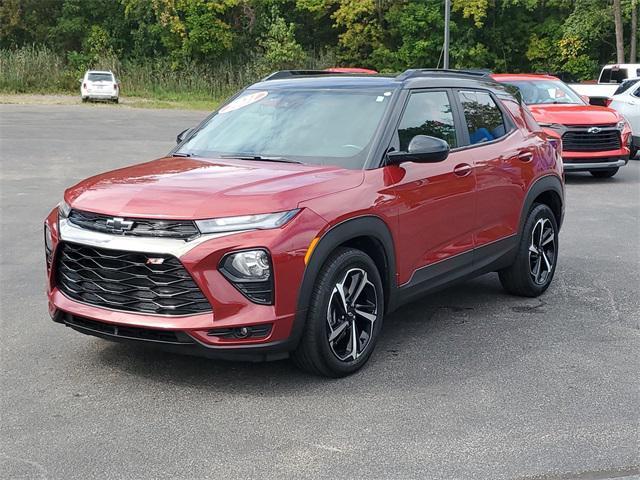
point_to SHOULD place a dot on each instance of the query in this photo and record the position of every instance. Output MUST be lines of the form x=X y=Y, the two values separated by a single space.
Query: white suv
x=99 y=85
x=626 y=100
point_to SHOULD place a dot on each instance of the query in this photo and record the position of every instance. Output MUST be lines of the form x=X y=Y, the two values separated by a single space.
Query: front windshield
x=316 y=126
x=536 y=92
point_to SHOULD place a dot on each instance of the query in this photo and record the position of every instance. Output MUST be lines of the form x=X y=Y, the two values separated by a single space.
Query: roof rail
x=297 y=73
x=423 y=72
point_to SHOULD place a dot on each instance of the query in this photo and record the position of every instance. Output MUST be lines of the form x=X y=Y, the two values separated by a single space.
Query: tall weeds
x=38 y=69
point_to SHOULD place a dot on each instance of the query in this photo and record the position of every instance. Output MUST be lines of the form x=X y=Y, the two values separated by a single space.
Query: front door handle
x=462 y=169
x=525 y=156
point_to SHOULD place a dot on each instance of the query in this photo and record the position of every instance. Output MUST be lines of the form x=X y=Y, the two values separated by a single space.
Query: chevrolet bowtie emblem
x=119 y=224
x=594 y=130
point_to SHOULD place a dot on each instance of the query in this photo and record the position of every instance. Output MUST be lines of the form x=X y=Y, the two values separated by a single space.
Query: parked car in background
x=99 y=85
x=304 y=210
x=610 y=77
x=351 y=70
x=626 y=100
x=594 y=139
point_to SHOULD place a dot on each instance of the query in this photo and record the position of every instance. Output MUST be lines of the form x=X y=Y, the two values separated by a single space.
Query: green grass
x=39 y=70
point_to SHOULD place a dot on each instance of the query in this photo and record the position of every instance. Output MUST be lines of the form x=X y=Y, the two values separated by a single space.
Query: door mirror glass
x=183 y=134
x=422 y=149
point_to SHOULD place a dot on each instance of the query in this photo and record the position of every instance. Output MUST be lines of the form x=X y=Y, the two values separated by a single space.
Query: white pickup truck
x=610 y=78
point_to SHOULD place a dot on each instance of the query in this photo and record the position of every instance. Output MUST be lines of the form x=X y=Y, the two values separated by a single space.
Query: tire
x=327 y=316
x=115 y=100
x=530 y=275
x=608 y=173
x=85 y=100
x=634 y=152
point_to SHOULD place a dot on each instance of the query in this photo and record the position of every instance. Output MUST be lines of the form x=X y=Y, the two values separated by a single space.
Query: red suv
x=594 y=139
x=306 y=208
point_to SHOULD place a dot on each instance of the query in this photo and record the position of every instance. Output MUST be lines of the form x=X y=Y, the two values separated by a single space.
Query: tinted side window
x=483 y=117
x=626 y=85
x=605 y=76
x=427 y=113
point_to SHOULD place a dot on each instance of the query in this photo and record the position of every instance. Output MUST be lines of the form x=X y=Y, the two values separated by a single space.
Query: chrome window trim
x=171 y=246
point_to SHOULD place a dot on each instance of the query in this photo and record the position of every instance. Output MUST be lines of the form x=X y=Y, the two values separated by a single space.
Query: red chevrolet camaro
x=306 y=208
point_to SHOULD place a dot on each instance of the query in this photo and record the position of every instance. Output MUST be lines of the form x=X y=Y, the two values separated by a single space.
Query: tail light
x=115 y=86
x=608 y=101
x=84 y=85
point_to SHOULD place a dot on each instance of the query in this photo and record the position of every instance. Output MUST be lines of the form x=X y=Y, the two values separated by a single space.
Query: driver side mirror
x=421 y=149
x=183 y=134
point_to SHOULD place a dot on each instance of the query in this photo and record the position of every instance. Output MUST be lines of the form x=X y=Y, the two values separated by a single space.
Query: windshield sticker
x=243 y=101
x=379 y=98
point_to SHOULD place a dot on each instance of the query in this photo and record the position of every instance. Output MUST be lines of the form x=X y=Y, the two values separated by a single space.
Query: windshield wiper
x=260 y=158
x=181 y=154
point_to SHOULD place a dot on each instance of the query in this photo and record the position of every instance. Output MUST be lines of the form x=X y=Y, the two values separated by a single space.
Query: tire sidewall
x=334 y=271
x=538 y=212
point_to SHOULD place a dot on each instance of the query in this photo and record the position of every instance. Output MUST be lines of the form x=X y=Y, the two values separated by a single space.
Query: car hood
x=574 y=114
x=188 y=188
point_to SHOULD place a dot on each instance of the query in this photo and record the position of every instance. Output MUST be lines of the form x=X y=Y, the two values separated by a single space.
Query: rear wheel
x=608 y=173
x=344 y=318
x=634 y=152
x=532 y=271
x=85 y=100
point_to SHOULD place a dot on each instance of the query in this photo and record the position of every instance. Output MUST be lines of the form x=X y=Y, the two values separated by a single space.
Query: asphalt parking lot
x=468 y=383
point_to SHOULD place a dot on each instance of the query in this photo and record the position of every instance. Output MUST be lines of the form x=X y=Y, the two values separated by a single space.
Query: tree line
x=571 y=37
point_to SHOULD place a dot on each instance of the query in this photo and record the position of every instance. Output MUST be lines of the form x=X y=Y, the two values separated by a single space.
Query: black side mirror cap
x=183 y=134
x=422 y=149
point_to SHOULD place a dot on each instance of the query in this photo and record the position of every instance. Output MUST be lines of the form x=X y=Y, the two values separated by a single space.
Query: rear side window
x=427 y=113
x=484 y=119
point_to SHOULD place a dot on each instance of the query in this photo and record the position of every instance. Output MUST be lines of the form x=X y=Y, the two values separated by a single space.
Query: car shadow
x=419 y=334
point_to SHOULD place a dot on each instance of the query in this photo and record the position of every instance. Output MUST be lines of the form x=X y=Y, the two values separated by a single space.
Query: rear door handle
x=462 y=169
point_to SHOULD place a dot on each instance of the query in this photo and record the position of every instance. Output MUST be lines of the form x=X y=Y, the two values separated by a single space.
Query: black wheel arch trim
x=547 y=183
x=363 y=226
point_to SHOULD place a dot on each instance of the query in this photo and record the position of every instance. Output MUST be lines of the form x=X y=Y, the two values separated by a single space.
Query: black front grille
x=578 y=139
x=143 y=227
x=128 y=281
x=137 y=333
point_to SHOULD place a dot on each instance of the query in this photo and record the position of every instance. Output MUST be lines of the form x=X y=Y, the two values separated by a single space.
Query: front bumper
x=200 y=257
x=176 y=341
x=602 y=164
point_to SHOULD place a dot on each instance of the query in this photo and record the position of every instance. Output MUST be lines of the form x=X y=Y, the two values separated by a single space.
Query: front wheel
x=345 y=316
x=608 y=173
x=532 y=271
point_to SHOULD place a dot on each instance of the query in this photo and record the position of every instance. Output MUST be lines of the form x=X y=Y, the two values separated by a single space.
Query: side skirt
x=487 y=258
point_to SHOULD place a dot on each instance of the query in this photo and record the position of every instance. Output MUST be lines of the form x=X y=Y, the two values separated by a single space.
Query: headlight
x=250 y=272
x=245 y=222
x=621 y=124
x=63 y=209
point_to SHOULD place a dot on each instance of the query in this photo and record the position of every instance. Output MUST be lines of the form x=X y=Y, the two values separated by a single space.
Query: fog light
x=250 y=272
x=252 y=331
